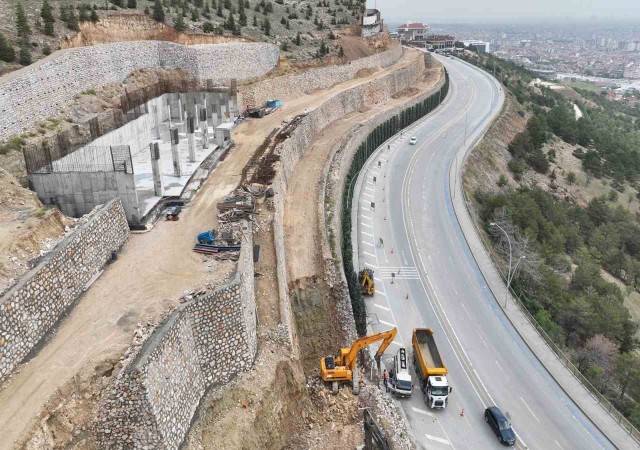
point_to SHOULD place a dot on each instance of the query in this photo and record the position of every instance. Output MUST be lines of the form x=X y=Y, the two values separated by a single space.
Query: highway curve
x=426 y=276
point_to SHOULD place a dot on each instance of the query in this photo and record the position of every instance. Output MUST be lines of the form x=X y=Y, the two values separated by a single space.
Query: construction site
x=187 y=241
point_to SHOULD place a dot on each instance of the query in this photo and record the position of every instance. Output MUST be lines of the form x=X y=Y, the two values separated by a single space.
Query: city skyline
x=503 y=11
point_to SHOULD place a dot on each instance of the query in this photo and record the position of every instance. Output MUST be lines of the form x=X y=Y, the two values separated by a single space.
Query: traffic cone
x=391 y=250
x=462 y=413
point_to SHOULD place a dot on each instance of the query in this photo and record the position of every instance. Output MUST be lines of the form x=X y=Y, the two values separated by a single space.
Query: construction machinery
x=342 y=367
x=430 y=369
x=367 y=285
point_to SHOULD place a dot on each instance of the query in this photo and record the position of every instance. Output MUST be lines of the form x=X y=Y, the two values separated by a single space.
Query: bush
x=571 y=177
x=517 y=167
x=502 y=181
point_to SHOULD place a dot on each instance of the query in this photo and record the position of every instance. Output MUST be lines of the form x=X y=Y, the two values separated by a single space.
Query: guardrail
x=566 y=361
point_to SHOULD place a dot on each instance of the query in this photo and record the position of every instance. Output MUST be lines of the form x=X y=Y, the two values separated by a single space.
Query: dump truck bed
x=427 y=354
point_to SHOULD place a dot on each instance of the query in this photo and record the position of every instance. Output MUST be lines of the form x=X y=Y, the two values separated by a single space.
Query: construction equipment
x=430 y=369
x=206 y=237
x=367 y=285
x=342 y=367
x=173 y=213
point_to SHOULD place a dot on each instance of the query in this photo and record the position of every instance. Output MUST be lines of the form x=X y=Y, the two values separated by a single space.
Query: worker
x=388 y=147
x=385 y=379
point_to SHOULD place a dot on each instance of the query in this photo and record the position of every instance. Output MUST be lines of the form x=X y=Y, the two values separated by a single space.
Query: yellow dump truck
x=430 y=369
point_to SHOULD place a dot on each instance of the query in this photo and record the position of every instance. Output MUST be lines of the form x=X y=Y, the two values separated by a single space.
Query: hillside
x=563 y=186
x=304 y=29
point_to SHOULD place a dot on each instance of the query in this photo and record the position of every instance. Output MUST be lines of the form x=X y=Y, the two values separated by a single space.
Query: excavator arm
x=386 y=337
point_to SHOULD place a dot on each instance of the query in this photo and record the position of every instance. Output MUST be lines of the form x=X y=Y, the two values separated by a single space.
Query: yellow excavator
x=367 y=286
x=335 y=369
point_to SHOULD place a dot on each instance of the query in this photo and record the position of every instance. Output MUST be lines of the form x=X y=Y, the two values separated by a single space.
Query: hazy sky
x=507 y=10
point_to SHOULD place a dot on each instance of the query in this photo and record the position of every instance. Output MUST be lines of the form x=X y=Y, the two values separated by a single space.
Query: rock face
x=38 y=91
x=205 y=342
x=31 y=308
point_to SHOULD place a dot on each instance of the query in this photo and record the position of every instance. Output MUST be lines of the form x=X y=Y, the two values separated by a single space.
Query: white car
x=413 y=140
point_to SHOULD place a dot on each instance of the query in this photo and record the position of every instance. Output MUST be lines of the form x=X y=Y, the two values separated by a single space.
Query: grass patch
x=15 y=143
x=89 y=92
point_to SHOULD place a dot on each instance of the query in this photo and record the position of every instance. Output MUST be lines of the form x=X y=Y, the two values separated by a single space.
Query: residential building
x=412 y=31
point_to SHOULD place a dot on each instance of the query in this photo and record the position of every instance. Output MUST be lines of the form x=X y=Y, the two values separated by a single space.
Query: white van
x=400 y=378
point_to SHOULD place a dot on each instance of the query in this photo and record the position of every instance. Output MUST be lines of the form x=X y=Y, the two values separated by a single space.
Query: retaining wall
x=205 y=342
x=40 y=90
x=32 y=307
x=291 y=150
x=313 y=79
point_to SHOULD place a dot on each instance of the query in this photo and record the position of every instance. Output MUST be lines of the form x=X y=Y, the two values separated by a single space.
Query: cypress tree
x=255 y=21
x=47 y=18
x=158 y=12
x=267 y=27
x=219 y=10
x=7 y=53
x=22 y=25
x=298 y=41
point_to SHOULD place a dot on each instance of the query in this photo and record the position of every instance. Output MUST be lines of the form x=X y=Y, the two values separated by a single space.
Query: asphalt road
x=426 y=277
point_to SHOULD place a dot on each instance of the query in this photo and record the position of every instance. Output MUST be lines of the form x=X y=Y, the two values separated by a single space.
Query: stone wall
x=205 y=342
x=32 y=307
x=36 y=92
x=313 y=79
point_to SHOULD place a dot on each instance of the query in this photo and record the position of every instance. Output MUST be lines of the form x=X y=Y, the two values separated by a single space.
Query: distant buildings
x=480 y=46
x=372 y=23
x=441 y=42
x=412 y=31
x=632 y=71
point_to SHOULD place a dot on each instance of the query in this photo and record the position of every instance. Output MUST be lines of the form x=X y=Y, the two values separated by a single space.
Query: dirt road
x=150 y=274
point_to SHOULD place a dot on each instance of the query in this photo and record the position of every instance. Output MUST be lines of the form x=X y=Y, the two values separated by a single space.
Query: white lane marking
x=525 y=404
x=387 y=323
x=369 y=254
x=381 y=293
x=368 y=195
x=558 y=444
x=366 y=234
x=381 y=307
x=365 y=209
x=466 y=311
x=454 y=288
x=368 y=243
x=366 y=225
x=365 y=216
x=369 y=189
x=422 y=411
x=437 y=439
x=377 y=279
x=483 y=341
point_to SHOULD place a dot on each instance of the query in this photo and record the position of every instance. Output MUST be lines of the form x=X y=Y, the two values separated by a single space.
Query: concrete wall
x=32 y=307
x=313 y=79
x=38 y=91
x=205 y=342
x=77 y=193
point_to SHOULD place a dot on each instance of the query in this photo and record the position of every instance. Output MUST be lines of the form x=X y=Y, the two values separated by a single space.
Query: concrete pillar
x=204 y=127
x=218 y=110
x=174 y=152
x=180 y=108
x=155 y=168
x=191 y=129
x=174 y=107
x=157 y=111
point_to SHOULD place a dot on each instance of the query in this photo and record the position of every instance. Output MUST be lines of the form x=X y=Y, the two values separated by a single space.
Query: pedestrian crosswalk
x=398 y=273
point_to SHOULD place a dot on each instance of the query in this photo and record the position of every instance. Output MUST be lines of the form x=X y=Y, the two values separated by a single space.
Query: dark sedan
x=500 y=425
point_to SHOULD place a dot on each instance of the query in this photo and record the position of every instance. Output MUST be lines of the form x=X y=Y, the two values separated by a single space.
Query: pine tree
x=132 y=4
x=7 y=53
x=72 y=20
x=47 y=18
x=94 y=15
x=267 y=27
x=178 y=23
x=63 y=13
x=237 y=31
x=198 y=3
x=46 y=50
x=243 y=18
x=194 y=15
x=219 y=12
x=298 y=40
x=230 y=24
x=287 y=26
x=158 y=12
x=255 y=21
x=22 y=25
x=83 y=17
x=227 y=4
x=25 y=53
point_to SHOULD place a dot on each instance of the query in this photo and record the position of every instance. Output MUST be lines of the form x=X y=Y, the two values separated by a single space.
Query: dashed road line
x=530 y=410
x=381 y=307
x=437 y=439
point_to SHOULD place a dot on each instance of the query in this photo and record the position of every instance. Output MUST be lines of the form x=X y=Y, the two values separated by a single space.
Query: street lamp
x=510 y=274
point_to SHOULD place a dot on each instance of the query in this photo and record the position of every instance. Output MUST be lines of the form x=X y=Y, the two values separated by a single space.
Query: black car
x=500 y=425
